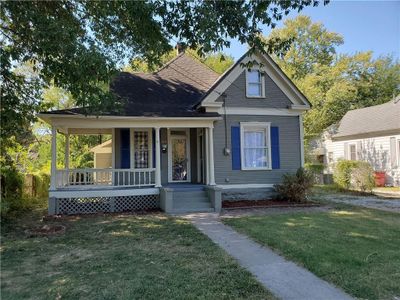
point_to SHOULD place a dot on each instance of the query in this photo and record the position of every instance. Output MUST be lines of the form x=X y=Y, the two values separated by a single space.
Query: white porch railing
x=105 y=177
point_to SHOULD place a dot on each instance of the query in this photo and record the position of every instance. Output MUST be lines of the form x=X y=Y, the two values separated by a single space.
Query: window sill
x=255 y=97
x=256 y=169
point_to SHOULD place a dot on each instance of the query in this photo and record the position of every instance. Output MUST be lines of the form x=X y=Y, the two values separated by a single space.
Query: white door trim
x=187 y=137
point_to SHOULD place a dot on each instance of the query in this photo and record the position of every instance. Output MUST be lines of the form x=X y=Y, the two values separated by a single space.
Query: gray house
x=185 y=139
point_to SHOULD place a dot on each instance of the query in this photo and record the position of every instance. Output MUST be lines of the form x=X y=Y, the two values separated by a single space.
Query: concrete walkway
x=283 y=278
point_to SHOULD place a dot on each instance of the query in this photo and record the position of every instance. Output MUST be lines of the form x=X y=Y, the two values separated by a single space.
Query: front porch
x=146 y=167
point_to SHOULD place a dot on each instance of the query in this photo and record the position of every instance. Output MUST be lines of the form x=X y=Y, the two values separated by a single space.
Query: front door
x=178 y=156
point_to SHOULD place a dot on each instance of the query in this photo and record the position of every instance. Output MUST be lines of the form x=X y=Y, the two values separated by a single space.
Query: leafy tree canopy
x=79 y=45
x=334 y=84
x=219 y=62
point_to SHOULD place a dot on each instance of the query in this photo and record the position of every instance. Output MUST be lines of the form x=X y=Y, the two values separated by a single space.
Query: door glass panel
x=179 y=159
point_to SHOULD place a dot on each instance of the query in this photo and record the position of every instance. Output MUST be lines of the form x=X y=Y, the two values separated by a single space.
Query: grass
x=120 y=257
x=356 y=249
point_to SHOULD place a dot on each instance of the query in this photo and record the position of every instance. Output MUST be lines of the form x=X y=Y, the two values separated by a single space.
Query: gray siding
x=289 y=147
x=164 y=156
x=274 y=97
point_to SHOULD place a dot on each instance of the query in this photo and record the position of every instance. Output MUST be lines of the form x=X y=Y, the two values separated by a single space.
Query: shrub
x=362 y=177
x=11 y=189
x=13 y=199
x=314 y=168
x=317 y=171
x=350 y=174
x=295 y=187
x=342 y=173
x=42 y=183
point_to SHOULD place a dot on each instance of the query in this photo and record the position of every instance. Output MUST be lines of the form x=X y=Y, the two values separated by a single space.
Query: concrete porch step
x=190 y=205
x=191 y=210
x=183 y=201
x=189 y=194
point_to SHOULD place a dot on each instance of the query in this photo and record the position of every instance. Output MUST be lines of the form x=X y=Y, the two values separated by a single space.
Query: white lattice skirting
x=90 y=205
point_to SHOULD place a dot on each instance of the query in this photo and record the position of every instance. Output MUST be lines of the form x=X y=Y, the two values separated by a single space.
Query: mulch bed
x=264 y=204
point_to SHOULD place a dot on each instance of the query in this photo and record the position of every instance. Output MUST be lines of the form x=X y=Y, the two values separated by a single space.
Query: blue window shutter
x=125 y=149
x=235 y=145
x=275 y=156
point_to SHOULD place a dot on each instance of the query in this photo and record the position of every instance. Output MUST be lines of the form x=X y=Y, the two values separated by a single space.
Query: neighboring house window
x=353 y=151
x=255 y=145
x=330 y=157
x=254 y=84
x=141 y=144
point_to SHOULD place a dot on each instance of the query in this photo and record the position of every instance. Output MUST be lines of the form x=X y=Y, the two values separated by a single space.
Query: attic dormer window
x=254 y=84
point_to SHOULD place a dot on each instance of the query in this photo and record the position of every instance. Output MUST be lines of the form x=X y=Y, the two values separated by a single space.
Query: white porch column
x=207 y=158
x=158 y=157
x=53 y=158
x=113 y=148
x=113 y=137
x=66 y=151
x=211 y=154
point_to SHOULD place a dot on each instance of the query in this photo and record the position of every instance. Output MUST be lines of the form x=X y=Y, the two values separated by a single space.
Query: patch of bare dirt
x=45 y=230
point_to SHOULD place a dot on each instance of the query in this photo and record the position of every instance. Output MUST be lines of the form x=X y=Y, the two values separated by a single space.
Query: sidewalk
x=284 y=279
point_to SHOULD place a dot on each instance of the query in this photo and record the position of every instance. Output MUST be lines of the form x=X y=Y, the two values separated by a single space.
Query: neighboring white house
x=102 y=155
x=370 y=134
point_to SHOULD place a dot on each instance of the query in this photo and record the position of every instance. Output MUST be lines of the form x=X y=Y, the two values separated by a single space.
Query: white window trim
x=260 y=125
x=355 y=147
x=150 y=134
x=398 y=153
x=262 y=84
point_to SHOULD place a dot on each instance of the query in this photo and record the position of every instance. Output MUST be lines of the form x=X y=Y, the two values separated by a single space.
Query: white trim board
x=245 y=186
x=103 y=192
x=68 y=123
x=255 y=111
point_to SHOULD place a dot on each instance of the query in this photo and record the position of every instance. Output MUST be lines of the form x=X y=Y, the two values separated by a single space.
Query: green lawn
x=356 y=249
x=120 y=257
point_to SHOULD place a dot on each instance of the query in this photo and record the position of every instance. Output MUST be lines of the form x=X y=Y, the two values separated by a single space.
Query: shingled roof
x=370 y=121
x=172 y=91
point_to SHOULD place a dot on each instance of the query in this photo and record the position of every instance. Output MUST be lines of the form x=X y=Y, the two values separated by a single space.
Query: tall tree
x=78 y=45
x=219 y=62
x=333 y=83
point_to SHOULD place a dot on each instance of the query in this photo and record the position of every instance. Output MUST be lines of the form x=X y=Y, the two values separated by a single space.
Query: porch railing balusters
x=104 y=177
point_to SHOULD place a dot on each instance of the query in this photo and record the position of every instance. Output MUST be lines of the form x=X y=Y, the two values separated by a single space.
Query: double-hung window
x=254 y=84
x=353 y=151
x=255 y=144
